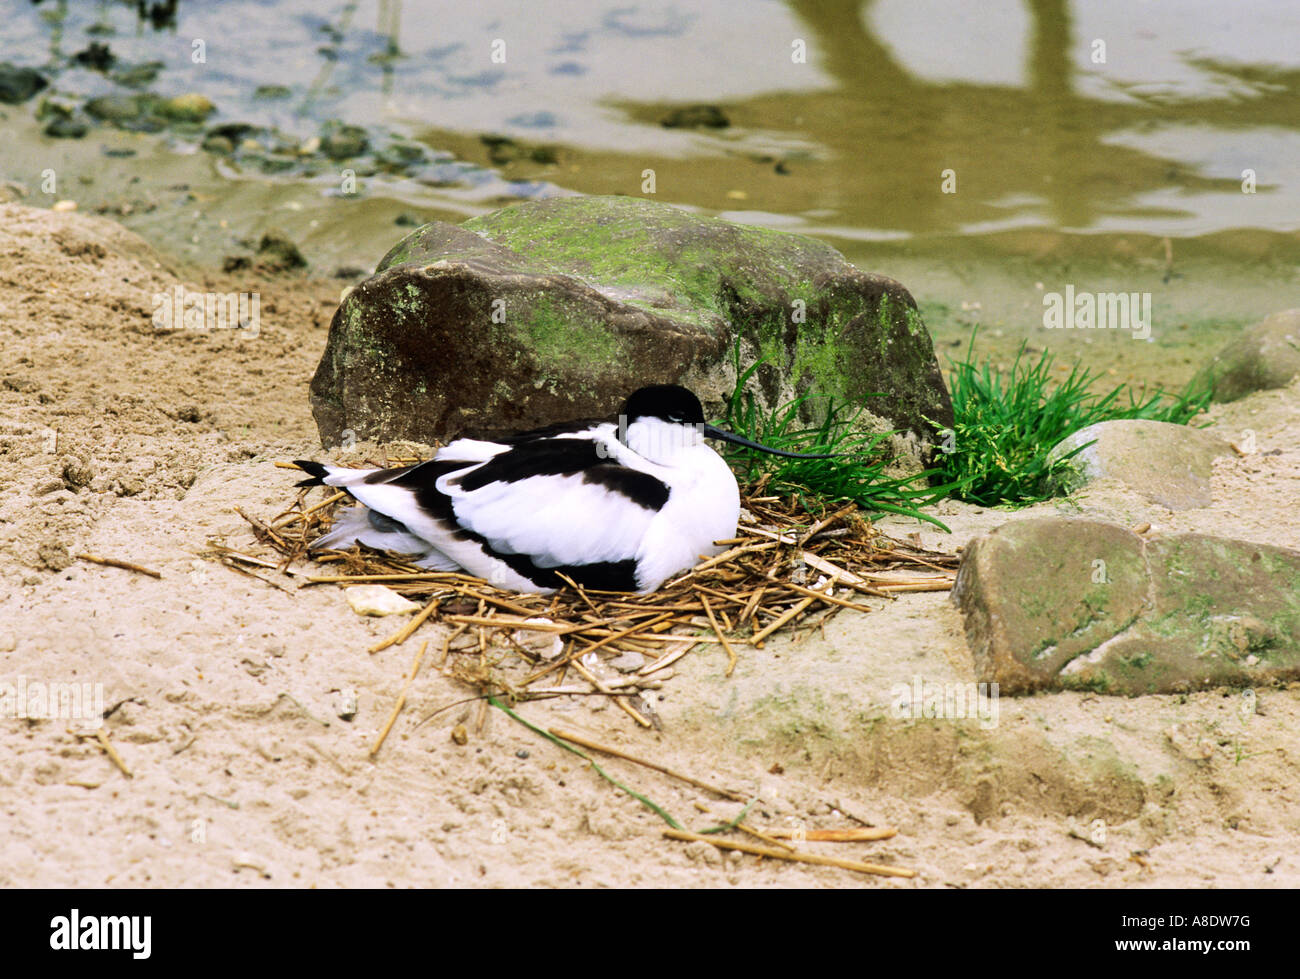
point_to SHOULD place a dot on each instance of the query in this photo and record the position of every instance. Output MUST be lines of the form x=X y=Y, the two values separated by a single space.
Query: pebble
x=460 y=734
x=377 y=600
x=115 y=108
x=62 y=127
x=65 y=205
x=17 y=85
x=545 y=644
x=696 y=117
x=628 y=662
x=77 y=473
x=190 y=107
x=345 y=142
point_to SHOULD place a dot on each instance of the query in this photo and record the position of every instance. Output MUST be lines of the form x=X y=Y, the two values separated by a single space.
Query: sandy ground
x=120 y=440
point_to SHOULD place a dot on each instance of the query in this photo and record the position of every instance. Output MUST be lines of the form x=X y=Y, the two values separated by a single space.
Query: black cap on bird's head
x=676 y=405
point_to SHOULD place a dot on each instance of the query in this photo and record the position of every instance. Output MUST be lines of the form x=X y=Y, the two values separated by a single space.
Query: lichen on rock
x=556 y=309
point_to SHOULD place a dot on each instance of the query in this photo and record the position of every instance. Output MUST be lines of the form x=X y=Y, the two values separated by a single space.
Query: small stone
x=344 y=142
x=116 y=108
x=276 y=163
x=218 y=144
x=309 y=147
x=279 y=253
x=77 y=473
x=501 y=149
x=460 y=734
x=696 y=117
x=17 y=85
x=1263 y=357
x=54 y=556
x=377 y=600
x=97 y=56
x=629 y=662
x=138 y=76
x=399 y=156
x=190 y=107
x=346 y=708
x=545 y=644
x=65 y=206
x=63 y=127
x=521 y=753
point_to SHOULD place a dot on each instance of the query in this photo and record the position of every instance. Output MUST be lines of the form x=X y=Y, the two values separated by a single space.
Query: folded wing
x=561 y=501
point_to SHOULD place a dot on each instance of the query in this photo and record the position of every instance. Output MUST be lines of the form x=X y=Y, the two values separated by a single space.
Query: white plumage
x=618 y=507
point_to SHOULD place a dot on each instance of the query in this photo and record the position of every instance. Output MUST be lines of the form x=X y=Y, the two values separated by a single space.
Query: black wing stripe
x=422 y=480
x=567 y=457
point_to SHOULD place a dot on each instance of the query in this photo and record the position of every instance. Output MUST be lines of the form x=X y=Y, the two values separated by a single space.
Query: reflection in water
x=1040 y=153
x=851 y=144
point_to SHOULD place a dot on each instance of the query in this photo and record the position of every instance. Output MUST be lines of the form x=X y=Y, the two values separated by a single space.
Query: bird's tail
x=317 y=471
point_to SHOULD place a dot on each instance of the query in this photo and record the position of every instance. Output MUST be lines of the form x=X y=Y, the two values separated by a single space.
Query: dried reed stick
x=797 y=856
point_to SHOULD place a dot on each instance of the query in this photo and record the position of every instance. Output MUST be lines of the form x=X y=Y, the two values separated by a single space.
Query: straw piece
x=404 y=633
x=112 y=753
x=401 y=700
x=112 y=562
x=669 y=658
x=595 y=681
x=746 y=828
x=779 y=621
x=797 y=856
x=857 y=834
x=109 y=750
x=827 y=597
x=304 y=514
x=731 y=653
x=821 y=525
x=617 y=753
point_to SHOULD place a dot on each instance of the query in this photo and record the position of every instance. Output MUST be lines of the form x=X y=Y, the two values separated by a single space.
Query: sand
x=226 y=692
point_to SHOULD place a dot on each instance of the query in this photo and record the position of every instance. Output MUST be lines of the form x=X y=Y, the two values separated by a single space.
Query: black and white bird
x=613 y=505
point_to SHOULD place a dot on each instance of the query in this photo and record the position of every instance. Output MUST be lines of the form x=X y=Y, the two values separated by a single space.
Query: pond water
x=983 y=153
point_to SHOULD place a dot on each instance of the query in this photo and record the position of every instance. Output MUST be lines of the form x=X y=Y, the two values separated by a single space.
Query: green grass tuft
x=1008 y=422
x=857 y=474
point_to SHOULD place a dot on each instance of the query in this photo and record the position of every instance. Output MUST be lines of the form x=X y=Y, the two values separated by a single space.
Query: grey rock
x=117 y=108
x=1264 y=357
x=551 y=310
x=344 y=142
x=1060 y=603
x=277 y=252
x=17 y=85
x=696 y=117
x=65 y=127
x=1168 y=464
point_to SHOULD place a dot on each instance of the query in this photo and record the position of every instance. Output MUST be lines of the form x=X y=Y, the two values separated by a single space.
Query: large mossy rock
x=1264 y=357
x=1059 y=603
x=556 y=309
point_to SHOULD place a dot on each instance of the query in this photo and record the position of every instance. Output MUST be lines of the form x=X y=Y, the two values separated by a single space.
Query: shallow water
x=1075 y=137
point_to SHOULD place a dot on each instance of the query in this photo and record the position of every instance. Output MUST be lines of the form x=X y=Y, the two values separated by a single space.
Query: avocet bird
x=616 y=506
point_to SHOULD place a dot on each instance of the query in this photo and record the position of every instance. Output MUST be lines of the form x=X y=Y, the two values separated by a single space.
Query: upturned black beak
x=713 y=432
